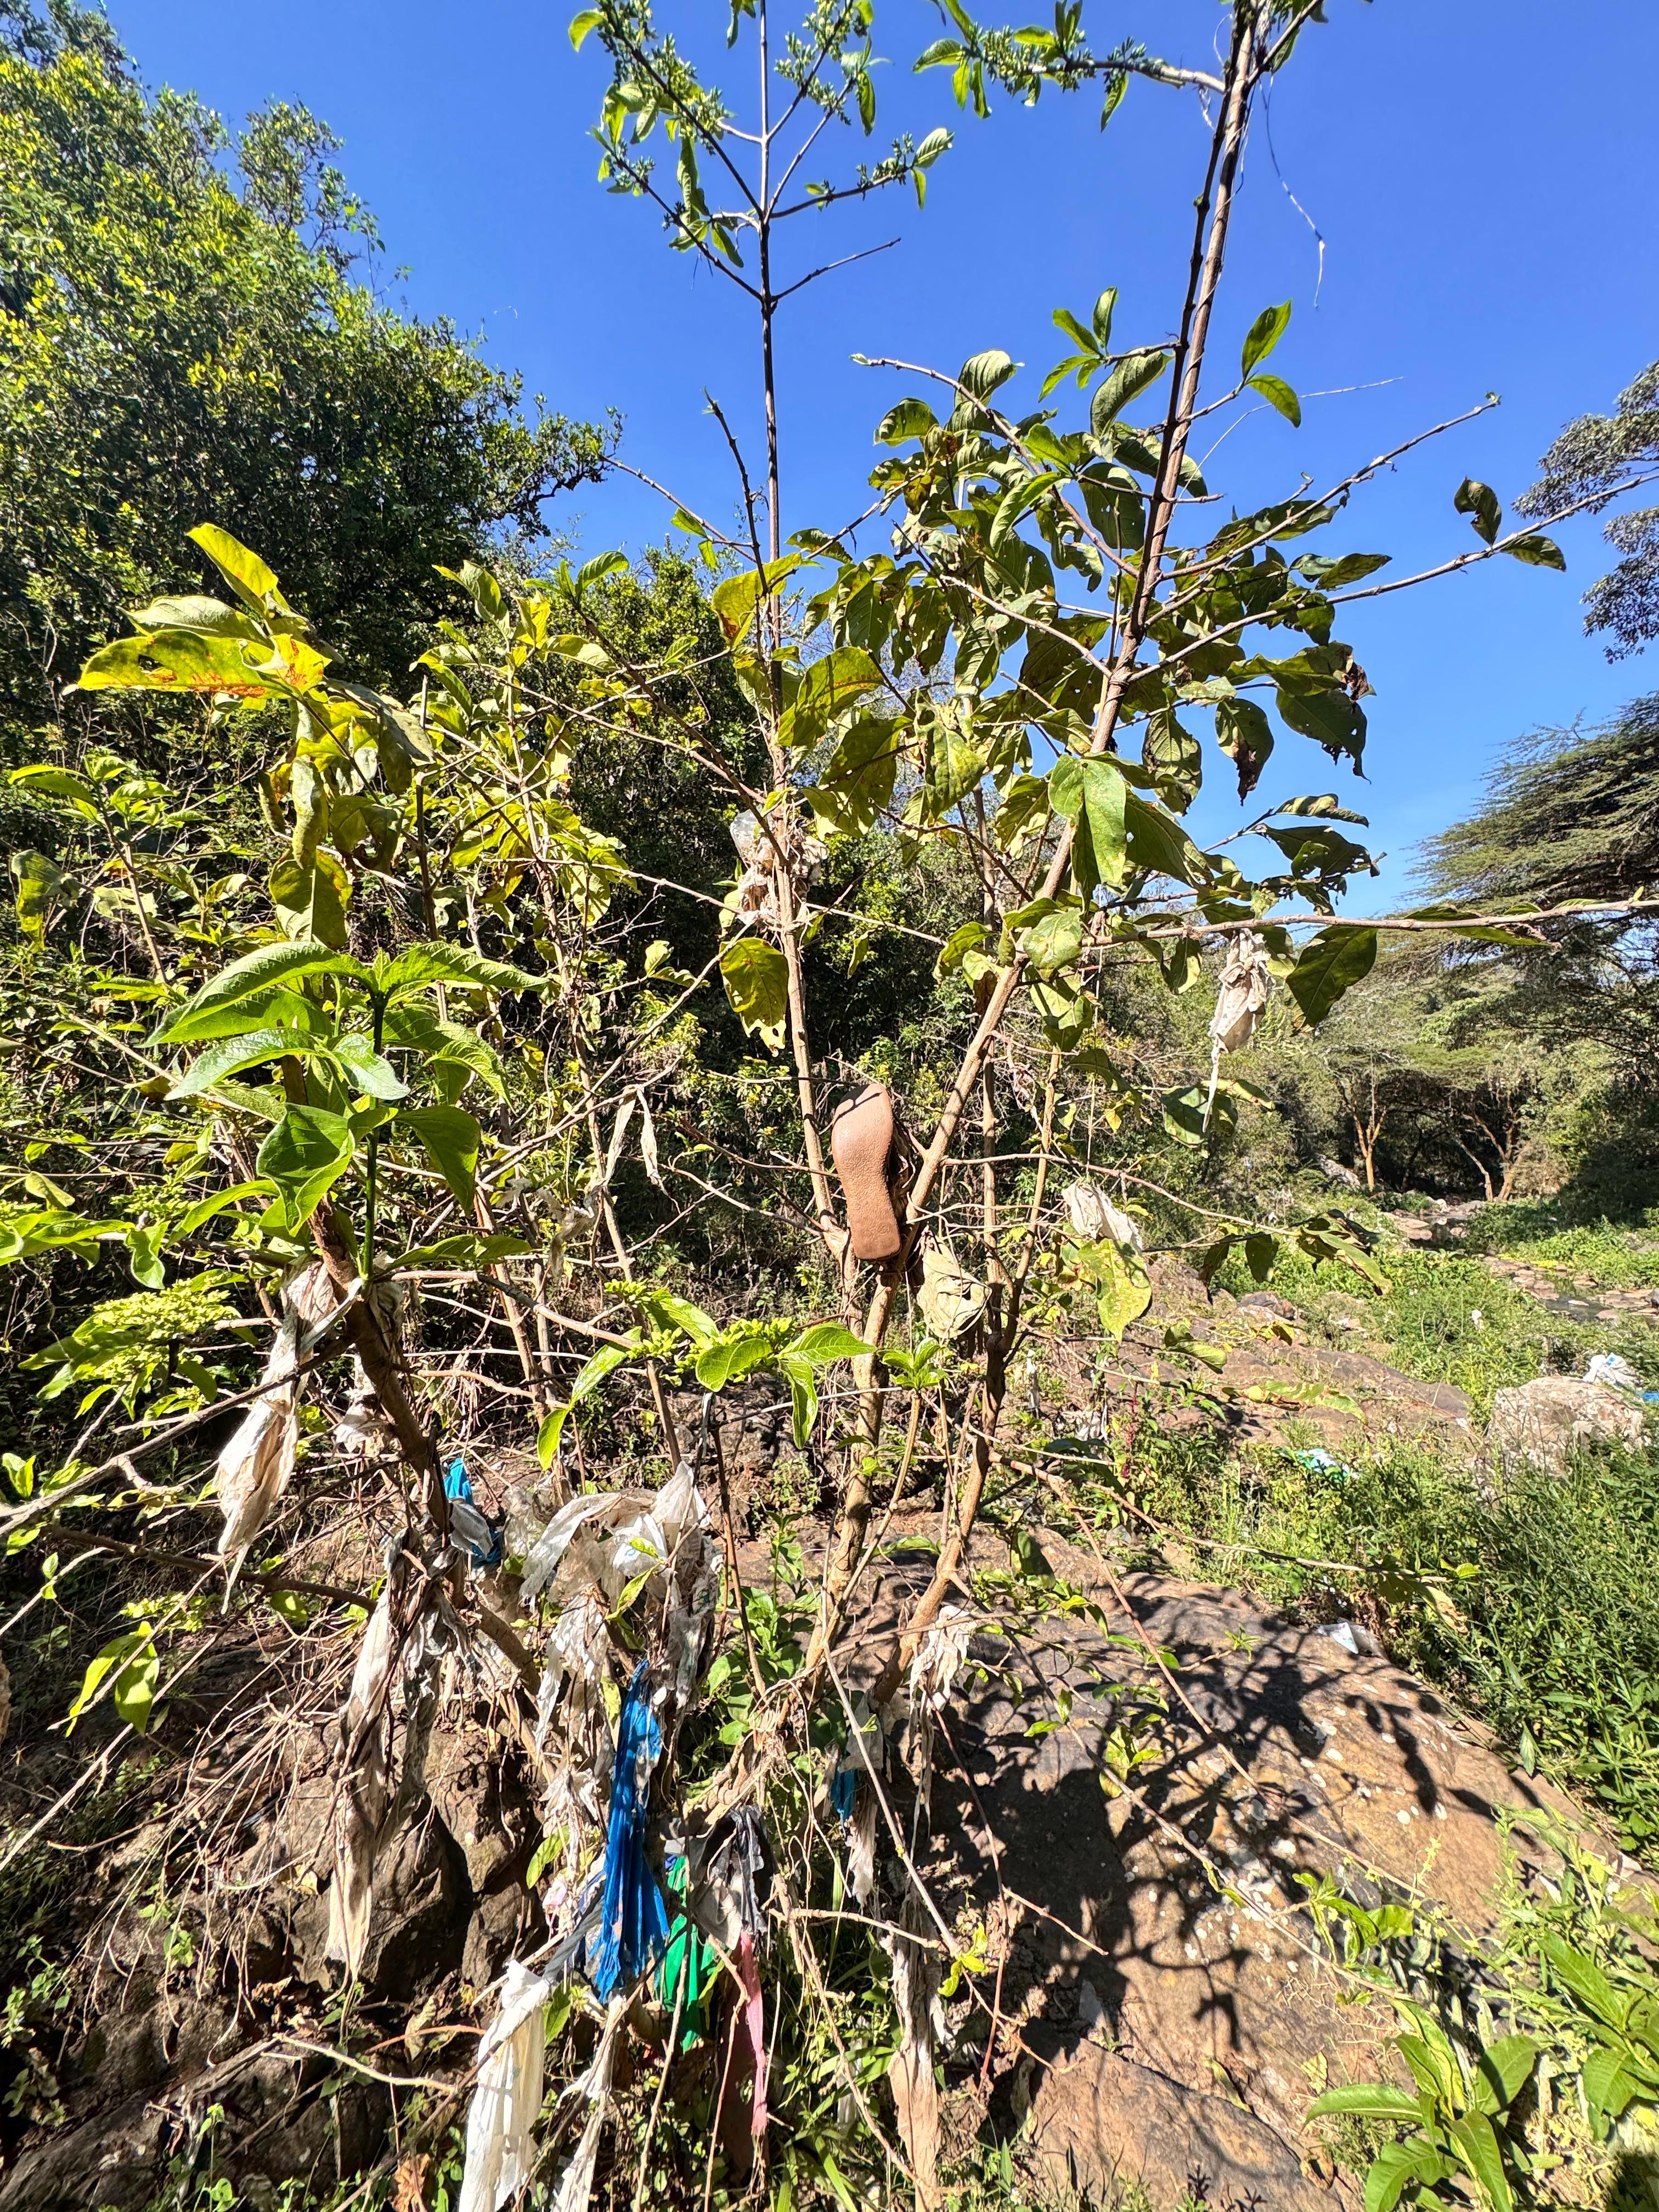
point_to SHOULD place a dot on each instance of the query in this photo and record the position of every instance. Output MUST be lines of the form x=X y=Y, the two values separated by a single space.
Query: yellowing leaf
x=757 y=979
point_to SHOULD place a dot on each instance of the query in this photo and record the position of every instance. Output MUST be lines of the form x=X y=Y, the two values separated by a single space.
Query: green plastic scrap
x=690 y=1964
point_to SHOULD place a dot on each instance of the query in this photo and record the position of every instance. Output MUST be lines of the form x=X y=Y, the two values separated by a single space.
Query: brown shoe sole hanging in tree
x=861 y=1144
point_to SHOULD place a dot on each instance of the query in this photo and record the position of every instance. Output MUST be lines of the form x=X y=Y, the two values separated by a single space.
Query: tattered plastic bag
x=1093 y=1216
x=730 y=1902
x=258 y=1459
x=1245 y=982
x=952 y=1302
x=916 y=1974
x=467 y=1525
x=406 y=1634
x=633 y=1932
x=940 y=1653
x=500 y=2150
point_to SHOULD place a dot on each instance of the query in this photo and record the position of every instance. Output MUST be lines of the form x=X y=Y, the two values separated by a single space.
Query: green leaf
x=1366 y=2100
x=1119 y=1279
x=1187 y=1114
x=1330 y=718
x=1066 y=321
x=185 y=661
x=857 y=781
x=980 y=376
x=735 y=601
x=953 y=765
x=40 y=881
x=1174 y=758
x=1132 y=375
x=420 y=965
x=1263 y=336
x=208 y=1068
x=368 y=1070
x=1536 y=550
x=466 y=1251
x=310 y=898
x=669 y=1310
x=1506 y=2067
x=547 y=1435
x=826 y=1341
x=730 y=1358
x=132 y=1659
x=1398 y=2166
x=59 y=783
x=1158 y=843
x=1609 y=2084
x=1329 y=964
x=802 y=1397
x=1278 y=394
x=592 y=1372
x=1101 y=318
x=1576 y=1972
x=589 y=19
x=204 y=1209
x=828 y=688
x=1477 y=2146
x=1052 y=940
x=261 y=970
x=911 y=418
x=305 y=1156
x=756 y=980
x=1328 y=574
x=1479 y=502
x=449 y=1136
x=603 y=1362
x=596 y=570
x=1245 y=735
x=144 y=1257
x=245 y=572
x=1092 y=792
x=192 y=611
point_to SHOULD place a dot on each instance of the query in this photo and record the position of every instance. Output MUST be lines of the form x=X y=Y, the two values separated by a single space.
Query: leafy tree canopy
x=1567 y=815
x=1589 y=458
x=181 y=336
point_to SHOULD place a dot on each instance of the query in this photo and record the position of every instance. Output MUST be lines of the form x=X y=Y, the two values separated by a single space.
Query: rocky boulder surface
x=1544 y=1422
x=1165 y=2011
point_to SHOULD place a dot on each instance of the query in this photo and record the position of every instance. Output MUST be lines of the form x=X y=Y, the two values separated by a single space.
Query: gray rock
x=1542 y=1424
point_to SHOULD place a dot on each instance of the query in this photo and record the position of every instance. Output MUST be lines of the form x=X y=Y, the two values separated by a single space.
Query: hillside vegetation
x=675 y=1262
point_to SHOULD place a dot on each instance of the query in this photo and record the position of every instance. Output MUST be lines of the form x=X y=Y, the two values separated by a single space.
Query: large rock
x=1162 y=1991
x=1543 y=1423
x=1105 y=2126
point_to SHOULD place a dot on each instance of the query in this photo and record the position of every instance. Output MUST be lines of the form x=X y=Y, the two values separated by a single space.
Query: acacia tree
x=380 y=1103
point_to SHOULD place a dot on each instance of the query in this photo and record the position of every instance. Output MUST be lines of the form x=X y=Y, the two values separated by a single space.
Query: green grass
x=1447 y=1318
x=1555 y=1640
x=1616 y=1259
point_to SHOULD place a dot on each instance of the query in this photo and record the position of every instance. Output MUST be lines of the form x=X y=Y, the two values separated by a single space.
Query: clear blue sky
x=1481 y=172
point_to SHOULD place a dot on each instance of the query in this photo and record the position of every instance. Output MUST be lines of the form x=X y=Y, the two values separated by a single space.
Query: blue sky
x=1482 y=184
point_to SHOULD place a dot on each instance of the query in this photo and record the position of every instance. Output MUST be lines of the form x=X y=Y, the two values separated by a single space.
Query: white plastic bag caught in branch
x=916 y=1971
x=257 y=1460
x=1244 y=984
x=1092 y=1216
x=500 y=2149
x=576 y=2182
x=952 y=1302
x=939 y=1658
x=364 y=1793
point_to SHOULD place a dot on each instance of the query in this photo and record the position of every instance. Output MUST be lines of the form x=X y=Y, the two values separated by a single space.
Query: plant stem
x=1214 y=209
